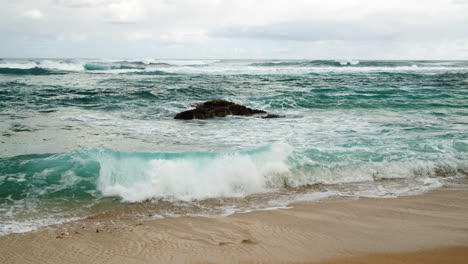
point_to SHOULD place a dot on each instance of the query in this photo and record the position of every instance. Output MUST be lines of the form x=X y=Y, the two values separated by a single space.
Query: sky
x=237 y=29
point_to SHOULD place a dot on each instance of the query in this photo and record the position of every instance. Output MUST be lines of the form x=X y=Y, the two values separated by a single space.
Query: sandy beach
x=429 y=228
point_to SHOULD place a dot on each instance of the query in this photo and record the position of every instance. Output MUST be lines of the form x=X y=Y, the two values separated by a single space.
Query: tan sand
x=418 y=229
x=456 y=255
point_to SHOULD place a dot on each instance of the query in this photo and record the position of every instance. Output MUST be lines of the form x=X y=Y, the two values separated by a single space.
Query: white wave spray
x=193 y=176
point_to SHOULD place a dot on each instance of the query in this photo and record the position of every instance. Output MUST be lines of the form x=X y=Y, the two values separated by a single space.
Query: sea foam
x=189 y=176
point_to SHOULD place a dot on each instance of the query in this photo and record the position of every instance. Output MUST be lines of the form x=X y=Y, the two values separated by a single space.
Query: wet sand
x=429 y=228
x=455 y=255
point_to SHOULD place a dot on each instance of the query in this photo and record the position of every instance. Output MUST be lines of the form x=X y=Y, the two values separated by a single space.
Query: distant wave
x=161 y=64
x=277 y=64
x=363 y=64
x=31 y=71
x=101 y=67
x=153 y=73
x=47 y=67
x=158 y=62
x=354 y=63
x=316 y=63
x=40 y=67
x=216 y=67
x=187 y=62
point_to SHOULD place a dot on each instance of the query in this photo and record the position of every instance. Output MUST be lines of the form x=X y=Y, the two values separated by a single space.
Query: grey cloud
x=303 y=31
x=82 y=3
x=121 y=23
x=460 y=2
x=227 y=27
x=381 y=29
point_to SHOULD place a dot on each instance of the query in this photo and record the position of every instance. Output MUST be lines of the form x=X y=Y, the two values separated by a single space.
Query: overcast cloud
x=332 y=29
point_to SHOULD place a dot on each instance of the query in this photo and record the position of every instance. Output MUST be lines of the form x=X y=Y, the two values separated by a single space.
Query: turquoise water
x=80 y=134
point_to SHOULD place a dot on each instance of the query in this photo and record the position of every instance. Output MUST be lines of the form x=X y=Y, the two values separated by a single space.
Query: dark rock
x=217 y=108
x=272 y=116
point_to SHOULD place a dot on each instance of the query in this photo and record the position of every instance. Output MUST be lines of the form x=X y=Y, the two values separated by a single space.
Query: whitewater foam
x=348 y=62
x=13 y=226
x=25 y=65
x=235 y=67
x=187 y=62
x=193 y=175
x=64 y=66
x=45 y=64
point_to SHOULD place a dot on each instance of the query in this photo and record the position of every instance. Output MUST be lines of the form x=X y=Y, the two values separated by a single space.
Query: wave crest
x=186 y=176
x=192 y=175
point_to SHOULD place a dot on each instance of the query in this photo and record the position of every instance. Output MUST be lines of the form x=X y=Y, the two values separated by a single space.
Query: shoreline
x=343 y=230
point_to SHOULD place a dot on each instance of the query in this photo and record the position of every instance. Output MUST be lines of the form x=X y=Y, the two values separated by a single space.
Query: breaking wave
x=134 y=176
x=154 y=66
x=48 y=183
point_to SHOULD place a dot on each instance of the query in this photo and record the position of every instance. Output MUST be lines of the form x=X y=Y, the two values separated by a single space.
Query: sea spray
x=192 y=175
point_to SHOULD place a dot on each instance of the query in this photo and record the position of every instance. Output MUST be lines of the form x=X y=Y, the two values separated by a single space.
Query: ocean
x=81 y=137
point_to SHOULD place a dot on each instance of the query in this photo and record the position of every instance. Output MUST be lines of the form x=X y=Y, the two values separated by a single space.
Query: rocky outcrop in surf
x=220 y=108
